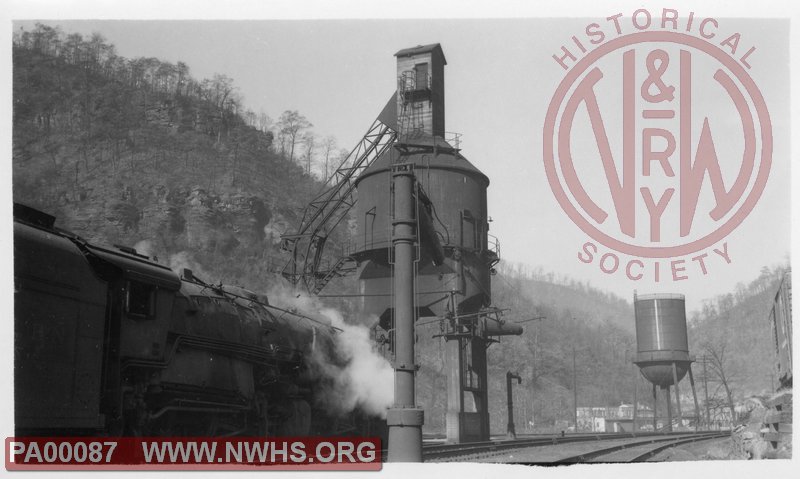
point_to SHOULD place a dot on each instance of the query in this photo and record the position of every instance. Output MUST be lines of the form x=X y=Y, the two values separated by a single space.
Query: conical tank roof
x=428 y=152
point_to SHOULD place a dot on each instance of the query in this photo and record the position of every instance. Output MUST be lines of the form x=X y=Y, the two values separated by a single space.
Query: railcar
x=780 y=319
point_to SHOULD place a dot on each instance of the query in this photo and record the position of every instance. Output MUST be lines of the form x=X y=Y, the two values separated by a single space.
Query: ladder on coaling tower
x=411 y=122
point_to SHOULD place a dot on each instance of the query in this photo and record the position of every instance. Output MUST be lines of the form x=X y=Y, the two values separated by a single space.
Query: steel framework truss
x=330 y=207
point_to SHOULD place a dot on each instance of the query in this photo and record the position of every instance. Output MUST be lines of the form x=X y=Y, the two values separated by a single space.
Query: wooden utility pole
x=635 y=403
x=575 y=387
x=705 y=386
x=533 y=368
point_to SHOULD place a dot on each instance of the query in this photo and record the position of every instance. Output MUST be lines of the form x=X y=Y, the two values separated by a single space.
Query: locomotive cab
x=141 y=293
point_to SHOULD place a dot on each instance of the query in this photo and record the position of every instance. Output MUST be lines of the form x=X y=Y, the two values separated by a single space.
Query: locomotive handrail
x=222 y=291
x=289 y=311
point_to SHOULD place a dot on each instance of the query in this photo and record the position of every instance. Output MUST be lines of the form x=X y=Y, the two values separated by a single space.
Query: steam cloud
x=182 y=259
x=275 y=228
x=145 y=247
x=366 y=380
x=358 y=376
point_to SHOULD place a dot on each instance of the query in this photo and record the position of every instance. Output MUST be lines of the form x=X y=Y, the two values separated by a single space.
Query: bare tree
x=341 y=157
x=282 y=142
x=249 y=118
x=291 y=125
x=328 y=145
x=309 y=142
x=718 y=365
x=220 y=92
x=73 y=48
x=182 y=73
x=264 y=122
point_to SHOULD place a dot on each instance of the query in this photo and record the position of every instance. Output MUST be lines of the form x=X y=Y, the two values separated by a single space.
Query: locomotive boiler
x=107 y=341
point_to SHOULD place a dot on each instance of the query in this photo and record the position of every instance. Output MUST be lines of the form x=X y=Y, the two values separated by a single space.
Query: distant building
x=612 y=419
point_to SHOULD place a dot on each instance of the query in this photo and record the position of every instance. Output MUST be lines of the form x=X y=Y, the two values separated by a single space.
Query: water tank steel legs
x=677 y=394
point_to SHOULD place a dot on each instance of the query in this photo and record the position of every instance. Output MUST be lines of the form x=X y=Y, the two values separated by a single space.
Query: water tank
x=661 y=338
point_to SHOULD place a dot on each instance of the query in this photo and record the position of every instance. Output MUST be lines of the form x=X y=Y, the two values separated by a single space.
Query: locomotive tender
x=107 y=341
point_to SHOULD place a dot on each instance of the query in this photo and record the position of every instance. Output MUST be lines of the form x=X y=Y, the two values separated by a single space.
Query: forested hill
x=733 y=333
x=579 y=326
x=134 y=151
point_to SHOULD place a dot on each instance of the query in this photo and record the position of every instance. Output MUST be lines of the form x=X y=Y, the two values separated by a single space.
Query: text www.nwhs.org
x=194 y=453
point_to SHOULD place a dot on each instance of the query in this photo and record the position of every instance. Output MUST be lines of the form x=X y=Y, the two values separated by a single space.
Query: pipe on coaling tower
x=493 y=327
x=404 y=418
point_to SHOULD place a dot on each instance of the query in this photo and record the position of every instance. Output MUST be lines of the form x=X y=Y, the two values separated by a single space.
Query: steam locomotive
x=109 y=342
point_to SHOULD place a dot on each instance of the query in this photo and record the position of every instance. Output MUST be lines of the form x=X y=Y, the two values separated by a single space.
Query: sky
x=336 y=66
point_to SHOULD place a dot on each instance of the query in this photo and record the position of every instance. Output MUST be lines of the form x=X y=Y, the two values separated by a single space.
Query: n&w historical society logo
x=657 y=142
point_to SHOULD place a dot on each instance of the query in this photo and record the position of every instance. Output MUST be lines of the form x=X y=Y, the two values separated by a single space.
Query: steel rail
x=670 y=442
x=656 y=450
x=437 y=452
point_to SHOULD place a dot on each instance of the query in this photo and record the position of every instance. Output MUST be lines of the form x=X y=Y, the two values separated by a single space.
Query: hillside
x=735 y=327
x=593 y=327
x=137 y=152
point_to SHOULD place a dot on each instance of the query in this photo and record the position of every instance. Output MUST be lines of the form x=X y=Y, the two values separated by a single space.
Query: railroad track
x=479 y=450
x=639 y=451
